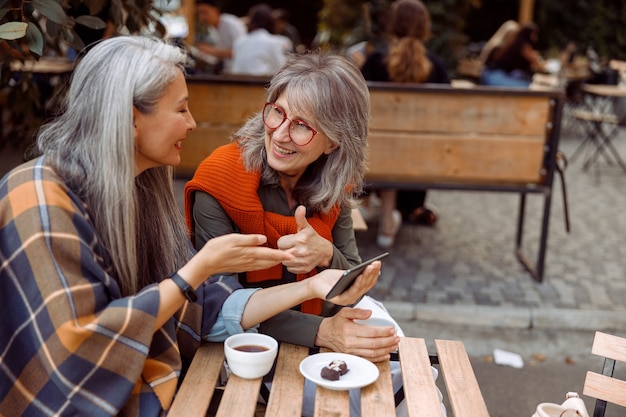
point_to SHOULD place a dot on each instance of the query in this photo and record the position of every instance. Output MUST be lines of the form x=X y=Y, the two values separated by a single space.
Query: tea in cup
x=250 y=355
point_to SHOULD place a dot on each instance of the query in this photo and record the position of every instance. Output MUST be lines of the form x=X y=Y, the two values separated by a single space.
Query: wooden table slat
x=330 y=403
x=240 y=397
x=195 y=394
x=287 y=393
x=377 y=398
x=463 y=390
x=417 y=376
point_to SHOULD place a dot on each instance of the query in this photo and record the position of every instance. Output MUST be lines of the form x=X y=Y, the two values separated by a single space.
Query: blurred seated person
x=223 y=31
x=377 y=35
x=405 y=60
x=260 y=52
x=284 y=28
x=503 y=36
x=513 y=64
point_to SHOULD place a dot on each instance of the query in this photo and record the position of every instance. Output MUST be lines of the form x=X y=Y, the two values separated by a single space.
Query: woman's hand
x=239 y=253
x=341 y=334
x=310 y=250
x=267 y=302
x=323 y=282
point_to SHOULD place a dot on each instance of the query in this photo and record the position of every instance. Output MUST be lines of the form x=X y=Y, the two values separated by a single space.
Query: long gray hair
x=333 y=91
x=92 y=146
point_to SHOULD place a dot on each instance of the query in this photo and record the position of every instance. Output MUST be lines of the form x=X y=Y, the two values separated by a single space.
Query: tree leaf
x=34 y=39
x=51 y=9
x=92 y=22
x=13 y=30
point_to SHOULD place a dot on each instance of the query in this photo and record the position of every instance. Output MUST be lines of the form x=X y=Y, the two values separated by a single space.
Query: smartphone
x=350 y=275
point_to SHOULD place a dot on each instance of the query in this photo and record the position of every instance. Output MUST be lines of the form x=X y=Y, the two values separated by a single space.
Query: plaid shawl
x=70 y=344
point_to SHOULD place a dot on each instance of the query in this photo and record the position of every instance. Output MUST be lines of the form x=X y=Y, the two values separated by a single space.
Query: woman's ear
x=331 y=148
x=136 y=116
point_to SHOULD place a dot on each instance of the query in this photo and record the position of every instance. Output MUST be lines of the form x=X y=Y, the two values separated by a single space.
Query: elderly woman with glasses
x=293 y=172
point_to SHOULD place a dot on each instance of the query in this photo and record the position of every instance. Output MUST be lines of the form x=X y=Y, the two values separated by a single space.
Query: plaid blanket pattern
x=70 y=344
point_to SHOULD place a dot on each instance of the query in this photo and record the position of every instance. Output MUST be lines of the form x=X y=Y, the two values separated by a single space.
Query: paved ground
x=465 y=265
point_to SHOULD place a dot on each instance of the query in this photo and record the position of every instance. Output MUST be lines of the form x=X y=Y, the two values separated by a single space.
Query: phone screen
x=350 y=275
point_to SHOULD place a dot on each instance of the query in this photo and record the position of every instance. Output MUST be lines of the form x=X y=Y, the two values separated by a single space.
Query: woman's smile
x=280 y=150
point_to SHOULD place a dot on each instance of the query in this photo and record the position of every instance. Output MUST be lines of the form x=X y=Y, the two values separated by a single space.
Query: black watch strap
x=185 y=288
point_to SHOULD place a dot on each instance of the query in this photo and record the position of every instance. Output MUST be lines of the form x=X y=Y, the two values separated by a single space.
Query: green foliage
x=22 y=34
x=598 y=24
x=30 y=29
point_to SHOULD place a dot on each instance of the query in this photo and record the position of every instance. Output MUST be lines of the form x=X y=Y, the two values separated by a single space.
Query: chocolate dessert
x=334 y=370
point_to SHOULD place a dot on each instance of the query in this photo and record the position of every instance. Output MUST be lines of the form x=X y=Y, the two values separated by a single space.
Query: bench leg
x=535 y=270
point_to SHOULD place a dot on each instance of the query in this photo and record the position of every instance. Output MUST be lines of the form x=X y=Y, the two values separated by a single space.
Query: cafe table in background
x=600 y=119
x=239 y=397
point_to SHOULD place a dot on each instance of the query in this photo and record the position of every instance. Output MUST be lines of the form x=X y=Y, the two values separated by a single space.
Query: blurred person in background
x=404 y=59
x=285 y=28
x=501 y=38
x=224 y=30
x=514 y=63
x=260 y=52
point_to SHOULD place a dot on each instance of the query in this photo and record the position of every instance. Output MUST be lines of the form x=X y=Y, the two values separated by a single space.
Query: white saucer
x=361 y=372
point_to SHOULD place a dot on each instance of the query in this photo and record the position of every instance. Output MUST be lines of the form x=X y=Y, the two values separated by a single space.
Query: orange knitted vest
x=223 y=176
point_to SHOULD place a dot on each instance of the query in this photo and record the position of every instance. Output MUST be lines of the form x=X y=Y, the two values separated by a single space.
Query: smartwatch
x=185 y=288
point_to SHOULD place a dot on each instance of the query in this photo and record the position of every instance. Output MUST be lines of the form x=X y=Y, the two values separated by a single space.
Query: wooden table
x=240 y=395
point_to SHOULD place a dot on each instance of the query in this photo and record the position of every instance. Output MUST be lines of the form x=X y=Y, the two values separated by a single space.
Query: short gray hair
x=332 y=89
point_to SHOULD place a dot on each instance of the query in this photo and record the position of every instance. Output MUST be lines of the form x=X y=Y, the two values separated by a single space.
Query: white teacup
x=250 y=355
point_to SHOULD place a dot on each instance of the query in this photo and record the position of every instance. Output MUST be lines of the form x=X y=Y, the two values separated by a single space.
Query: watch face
x=185 y=288
x=191 y=294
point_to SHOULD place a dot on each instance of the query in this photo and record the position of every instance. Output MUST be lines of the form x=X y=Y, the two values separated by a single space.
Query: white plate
x=361 y=372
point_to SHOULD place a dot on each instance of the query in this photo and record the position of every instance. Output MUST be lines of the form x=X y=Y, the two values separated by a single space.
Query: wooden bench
x=421 y=137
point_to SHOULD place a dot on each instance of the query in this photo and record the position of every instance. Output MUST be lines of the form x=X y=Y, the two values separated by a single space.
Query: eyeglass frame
x=268 y=103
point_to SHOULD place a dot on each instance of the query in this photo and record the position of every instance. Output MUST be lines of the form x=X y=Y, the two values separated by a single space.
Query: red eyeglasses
x=300 y=132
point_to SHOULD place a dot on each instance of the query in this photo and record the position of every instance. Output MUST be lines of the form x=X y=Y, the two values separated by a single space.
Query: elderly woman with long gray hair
x=102 y=297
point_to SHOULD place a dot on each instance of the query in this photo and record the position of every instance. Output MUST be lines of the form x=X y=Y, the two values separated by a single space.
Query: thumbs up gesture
x=309 y=249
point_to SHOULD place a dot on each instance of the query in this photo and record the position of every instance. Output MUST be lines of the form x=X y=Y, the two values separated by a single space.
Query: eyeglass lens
x=299 y=132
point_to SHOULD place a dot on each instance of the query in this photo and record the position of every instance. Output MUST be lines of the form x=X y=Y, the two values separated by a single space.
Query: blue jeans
x=497 y=77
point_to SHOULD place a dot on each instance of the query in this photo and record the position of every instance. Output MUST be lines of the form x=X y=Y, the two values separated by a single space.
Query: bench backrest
x=606 y=387
x=427 y=134
x=443 y=135
x=220 y=106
